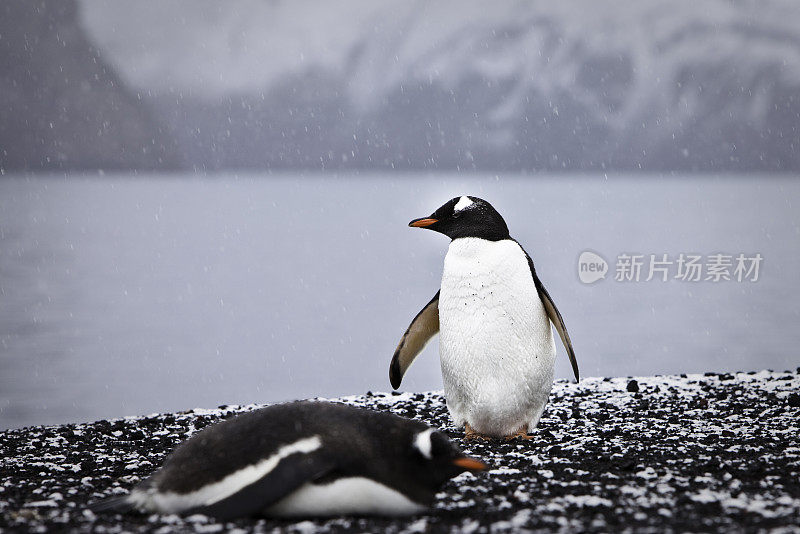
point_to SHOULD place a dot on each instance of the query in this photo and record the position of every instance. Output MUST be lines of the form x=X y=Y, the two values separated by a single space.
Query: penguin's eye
x=457 y=214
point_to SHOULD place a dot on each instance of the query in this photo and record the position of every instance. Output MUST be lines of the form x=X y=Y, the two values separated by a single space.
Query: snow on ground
x=696 y=452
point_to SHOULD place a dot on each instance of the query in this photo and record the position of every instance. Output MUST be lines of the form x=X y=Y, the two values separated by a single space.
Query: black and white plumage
x=301 y=459
x=493 y=315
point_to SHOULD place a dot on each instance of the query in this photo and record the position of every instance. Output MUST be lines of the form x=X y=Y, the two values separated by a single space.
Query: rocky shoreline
x=680 y=453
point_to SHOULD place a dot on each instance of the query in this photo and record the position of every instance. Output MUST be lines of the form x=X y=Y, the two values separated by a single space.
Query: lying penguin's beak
x=423 y=222
x=470 y=464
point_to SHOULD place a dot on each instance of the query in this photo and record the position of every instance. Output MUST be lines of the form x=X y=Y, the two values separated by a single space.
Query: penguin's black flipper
x=424 y=326
x=555 y=318
x=253 y=499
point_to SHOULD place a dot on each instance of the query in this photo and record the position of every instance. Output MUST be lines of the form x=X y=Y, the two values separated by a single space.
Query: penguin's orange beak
x=423 y=222
x=470 y=464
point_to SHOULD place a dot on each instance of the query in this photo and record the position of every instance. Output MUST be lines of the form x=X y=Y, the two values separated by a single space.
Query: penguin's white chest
x=496 y=344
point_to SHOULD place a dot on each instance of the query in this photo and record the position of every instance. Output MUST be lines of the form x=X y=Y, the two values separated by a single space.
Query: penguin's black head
x=466 y=217
x=439 y=458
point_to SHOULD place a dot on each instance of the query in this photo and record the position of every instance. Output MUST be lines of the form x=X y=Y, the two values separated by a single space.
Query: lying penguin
x=496 y=344
x=301 y=459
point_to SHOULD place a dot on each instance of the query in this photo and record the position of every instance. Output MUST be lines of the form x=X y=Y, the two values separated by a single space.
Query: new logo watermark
x=684 y=267
x=591 y=267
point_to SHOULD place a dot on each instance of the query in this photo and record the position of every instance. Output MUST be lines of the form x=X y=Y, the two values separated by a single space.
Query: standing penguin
x=496 y=346
x=301 y=459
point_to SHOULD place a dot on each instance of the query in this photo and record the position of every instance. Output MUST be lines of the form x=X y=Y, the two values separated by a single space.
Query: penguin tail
x=121 y=504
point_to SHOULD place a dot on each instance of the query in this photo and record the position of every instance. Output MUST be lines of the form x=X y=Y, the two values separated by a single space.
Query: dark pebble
x=794 y=400
x=633 y=386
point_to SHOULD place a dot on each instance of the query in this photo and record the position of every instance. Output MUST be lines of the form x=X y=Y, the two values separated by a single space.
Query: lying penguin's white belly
x=496 y=344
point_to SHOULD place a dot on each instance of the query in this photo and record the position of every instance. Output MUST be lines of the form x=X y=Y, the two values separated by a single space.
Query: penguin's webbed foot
x=471 y=435
x=522 y=433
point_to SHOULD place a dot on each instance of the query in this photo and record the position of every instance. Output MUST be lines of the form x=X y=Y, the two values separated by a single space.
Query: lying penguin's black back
x=235 y=443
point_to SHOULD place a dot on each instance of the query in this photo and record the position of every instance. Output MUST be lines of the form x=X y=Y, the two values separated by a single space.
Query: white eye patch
x=422 y=442
x=463 y=203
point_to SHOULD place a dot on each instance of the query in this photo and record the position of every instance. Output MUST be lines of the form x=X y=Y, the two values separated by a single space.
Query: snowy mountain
x=61 y=107
x=654 y=85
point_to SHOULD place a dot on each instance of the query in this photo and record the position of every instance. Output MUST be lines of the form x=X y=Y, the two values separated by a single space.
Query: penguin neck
x=490 y=233
x=479 y=238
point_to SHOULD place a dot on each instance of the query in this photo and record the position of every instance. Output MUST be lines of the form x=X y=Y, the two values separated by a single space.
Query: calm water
x=130 y=295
